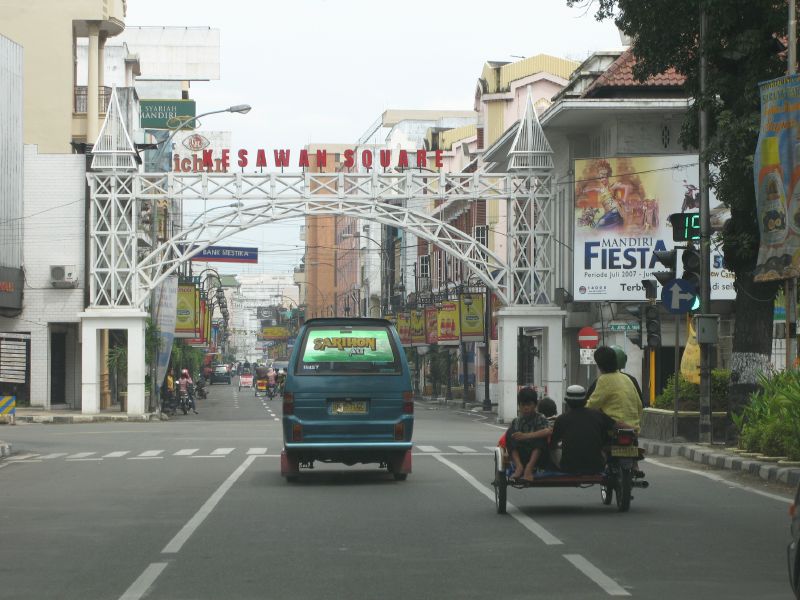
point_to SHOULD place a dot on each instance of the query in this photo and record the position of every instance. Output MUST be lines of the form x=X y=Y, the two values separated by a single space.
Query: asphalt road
x=196 y=508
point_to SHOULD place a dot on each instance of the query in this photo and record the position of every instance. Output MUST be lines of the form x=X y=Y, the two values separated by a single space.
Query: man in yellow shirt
x=615 y=394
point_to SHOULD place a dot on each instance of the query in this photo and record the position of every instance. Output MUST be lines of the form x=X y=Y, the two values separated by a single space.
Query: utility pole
x=705 y=239
x=791 y=284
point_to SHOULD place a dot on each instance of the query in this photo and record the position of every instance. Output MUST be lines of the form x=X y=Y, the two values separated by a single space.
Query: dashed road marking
x=222 y=451
x=428 y=448
x=609 y=586
x=186 y=452
x=257 y=451
x=463 y=449
x=116 y=454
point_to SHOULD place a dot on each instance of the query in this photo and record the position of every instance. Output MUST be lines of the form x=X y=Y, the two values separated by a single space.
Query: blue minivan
x=347 y=397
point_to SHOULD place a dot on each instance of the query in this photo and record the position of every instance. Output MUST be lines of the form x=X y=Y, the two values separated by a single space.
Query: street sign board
x=625 y=326
x=678 y=296
x=588 y=338
x=587 y=356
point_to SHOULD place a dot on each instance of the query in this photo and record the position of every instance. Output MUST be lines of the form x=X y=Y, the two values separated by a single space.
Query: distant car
x=221 y=375
x=794 y=557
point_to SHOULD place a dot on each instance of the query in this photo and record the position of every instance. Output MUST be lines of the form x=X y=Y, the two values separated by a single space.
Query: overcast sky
x=324 y=70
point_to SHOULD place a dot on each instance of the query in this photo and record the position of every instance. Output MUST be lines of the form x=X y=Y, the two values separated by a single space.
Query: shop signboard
x=166 y=114
x=448 y=326
x=431 y=325
x=417 y=328
x=11 y=282
x=472 y=317
x=274 y=333
x=622 y=208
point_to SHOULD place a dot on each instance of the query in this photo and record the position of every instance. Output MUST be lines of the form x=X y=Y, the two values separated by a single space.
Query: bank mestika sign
x=166 y=114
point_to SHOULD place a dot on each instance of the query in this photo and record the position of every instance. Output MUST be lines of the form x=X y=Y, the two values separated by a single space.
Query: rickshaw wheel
x=500 y=488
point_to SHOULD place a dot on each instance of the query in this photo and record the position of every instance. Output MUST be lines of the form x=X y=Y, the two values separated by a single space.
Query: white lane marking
x=523 y=519
x=462 y=449
x=83 y=459
x=186 y=452
x=490 y=448
x=117 y=454
x=149 y=453
x=180 y=538
x=252 y=451
x=610 y=587
x=139 y=587
x=53 y=455
x=80 y=455
x=222 y=451
x=25 y=456
x=276 y=419
x=504 y=428
x=428 y=448
x=721 y=479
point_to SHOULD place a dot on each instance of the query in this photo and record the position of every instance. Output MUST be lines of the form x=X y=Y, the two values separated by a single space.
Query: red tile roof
x=620 y=75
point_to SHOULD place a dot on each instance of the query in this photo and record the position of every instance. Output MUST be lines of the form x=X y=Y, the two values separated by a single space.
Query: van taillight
x=297 y=432
x=408 y=403
x=399 y=431
x=288 y=403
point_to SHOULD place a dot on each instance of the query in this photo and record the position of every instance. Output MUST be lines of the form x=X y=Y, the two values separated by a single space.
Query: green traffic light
x=696 y=304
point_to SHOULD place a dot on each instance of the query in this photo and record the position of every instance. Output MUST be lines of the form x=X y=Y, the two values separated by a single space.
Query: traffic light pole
x=705 y=240
x=677 y=375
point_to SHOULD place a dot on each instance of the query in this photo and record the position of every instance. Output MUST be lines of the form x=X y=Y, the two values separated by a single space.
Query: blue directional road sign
x=678 y=296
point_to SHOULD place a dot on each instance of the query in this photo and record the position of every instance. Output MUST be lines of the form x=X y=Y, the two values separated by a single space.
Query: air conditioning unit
x=64 y=276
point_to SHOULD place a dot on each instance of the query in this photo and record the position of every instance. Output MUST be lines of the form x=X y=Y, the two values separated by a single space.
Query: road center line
x=139 y=587
x=180 y=538
x=610 y=587
x=721 y=479
x=523 y=519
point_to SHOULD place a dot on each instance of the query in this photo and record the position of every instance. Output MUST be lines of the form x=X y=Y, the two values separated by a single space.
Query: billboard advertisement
x=622 y=208
x=431 y=325
x=404 y=328
x=417 y=328
x=274 y=333
x=777 y=180
x=472 y=317
x=448 y=327
x=186 y=313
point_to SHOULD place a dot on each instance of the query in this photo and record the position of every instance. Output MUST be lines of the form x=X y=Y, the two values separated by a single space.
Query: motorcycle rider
x=261 y=375
x=614 y=393
x=272 y=380
x=186 y=384
x=622 y=360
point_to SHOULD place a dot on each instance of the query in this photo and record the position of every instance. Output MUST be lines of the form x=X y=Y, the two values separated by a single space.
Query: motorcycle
x=272 y=390
x=184 y=402
x=622 y=472
x=169 y=404
x=261 y=388
x=202 y=393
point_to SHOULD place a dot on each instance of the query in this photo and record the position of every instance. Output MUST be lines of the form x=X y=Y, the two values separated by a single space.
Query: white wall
x=53 y=234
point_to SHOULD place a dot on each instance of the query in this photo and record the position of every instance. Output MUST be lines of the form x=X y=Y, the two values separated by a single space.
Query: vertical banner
x=165 y=314
x=200 y=338
x=449 y=329
x=431 y=325
x=777 y=180
x=417 y=328
x=404 y=328
x=472 y=317
x=185 y=314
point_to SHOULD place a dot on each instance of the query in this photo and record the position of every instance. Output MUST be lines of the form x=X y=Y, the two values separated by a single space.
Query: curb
x=75 y=419
x=724 y=460
x=5 y=449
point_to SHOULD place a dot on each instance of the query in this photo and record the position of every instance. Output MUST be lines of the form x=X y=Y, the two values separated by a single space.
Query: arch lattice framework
x=122 y=278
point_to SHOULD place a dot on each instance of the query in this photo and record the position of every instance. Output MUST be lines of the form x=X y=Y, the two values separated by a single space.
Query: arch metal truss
x=121 y=278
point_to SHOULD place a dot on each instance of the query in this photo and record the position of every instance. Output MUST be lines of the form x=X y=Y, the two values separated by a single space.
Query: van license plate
x=625 y=451
x=349 y=407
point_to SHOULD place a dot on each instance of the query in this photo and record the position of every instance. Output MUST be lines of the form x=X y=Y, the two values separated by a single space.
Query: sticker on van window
x=357 y=346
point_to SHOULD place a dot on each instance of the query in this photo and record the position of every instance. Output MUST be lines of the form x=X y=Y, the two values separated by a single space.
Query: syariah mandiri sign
x=622 y=208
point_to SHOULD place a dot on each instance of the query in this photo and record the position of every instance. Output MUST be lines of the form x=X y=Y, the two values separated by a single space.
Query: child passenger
x=526 y=439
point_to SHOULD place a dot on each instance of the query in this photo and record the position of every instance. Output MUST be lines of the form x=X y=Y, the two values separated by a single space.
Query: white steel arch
x=121 y=279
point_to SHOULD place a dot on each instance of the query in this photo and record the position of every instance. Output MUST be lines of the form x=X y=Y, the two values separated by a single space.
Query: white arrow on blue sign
x=678 y=296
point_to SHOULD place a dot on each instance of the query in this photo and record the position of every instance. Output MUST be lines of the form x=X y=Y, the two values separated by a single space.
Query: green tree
x=742 y=48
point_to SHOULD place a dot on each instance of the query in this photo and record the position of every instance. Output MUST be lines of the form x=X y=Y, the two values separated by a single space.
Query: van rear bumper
x=396 y=446
x=350 y=453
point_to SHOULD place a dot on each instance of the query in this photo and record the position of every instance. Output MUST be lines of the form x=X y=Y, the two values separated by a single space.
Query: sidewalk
x=67 y=416
x=713 y=456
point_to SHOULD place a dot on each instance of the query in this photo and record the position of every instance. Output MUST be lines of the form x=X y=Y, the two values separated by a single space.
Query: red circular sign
x=588 y=338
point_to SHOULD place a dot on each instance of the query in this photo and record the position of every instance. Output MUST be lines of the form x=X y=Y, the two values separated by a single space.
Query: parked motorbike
x=169 y=404
x=622 y=472
x=202 y=392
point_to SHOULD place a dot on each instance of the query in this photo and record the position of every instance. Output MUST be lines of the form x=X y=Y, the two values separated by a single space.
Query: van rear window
x=348 y=351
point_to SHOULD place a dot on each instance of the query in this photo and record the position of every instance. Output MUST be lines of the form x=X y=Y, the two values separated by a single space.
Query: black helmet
x=575 y=396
